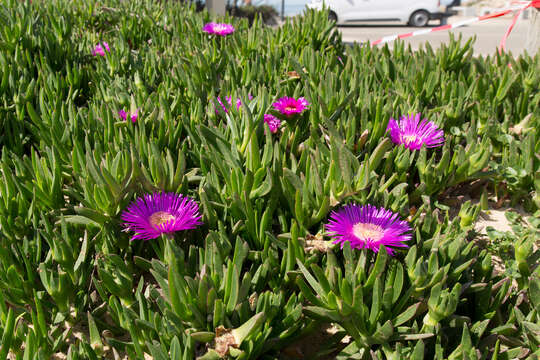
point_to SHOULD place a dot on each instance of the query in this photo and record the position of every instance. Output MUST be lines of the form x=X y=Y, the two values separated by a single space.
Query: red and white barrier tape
x=520 y=7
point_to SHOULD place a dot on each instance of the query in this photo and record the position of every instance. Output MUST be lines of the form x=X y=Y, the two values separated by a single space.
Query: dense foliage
x=72 y=282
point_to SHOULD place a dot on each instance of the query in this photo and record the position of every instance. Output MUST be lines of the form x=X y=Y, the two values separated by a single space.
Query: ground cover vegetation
x=172 y=192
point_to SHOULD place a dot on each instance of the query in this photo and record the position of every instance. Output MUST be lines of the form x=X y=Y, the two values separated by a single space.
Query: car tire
x=419 y=18
x=332 y=16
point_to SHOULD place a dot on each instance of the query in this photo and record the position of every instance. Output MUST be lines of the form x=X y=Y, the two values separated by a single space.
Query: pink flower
x=238 y=104
x=369 y=227
x=412 y=133
x=135 y=115
x=218 y=29
x=100 y=50
x=124 y=115
x=160 y=213
x=289 y=106
x=273 y=123
x=229 y=101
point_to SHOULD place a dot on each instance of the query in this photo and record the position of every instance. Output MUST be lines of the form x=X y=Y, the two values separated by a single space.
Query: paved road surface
x=488 y=34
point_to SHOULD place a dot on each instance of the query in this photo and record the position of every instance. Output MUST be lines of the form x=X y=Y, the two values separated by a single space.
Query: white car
x=413 y=12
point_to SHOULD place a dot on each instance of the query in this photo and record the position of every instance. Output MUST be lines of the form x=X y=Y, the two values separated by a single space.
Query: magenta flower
x=124 y=115
x=160 y=213
x=225 y=108
x=412 y=133
x=289 y=106
x=218 y=29
x=100 y=50
x=367 y=227
x=238 y=103
x=229 y=101
x=273 y=123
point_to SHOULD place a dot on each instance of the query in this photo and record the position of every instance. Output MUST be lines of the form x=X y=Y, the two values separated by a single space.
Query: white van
x=413 y=12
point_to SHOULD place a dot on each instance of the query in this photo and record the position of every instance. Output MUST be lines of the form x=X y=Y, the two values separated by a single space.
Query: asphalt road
x=488 y=34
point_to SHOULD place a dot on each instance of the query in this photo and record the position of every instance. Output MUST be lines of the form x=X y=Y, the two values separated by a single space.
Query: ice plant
x=273 y=123
x=218 y=29
x=160 y=213
x=413 y=133
x=101 y=49
x=124 y=115
x=227 y=339
x=289 y=106
x=368 y=227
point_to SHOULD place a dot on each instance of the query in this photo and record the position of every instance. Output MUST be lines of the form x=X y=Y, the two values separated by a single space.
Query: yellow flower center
x=160 y=217
x=410 y=138
x=290 y=108
x=368 y=231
